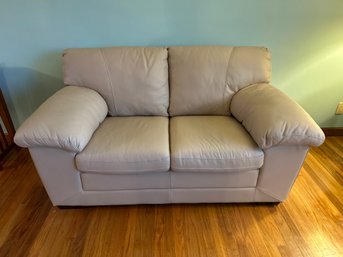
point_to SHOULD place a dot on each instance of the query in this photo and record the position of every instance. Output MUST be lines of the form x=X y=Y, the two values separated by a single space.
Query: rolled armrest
x=66 y=120
x=272 y=118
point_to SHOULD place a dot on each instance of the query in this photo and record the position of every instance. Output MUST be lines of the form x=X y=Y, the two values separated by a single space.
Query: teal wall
x=305 y=37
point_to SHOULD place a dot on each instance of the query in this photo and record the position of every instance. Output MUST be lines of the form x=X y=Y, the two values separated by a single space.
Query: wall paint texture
x=305 y=38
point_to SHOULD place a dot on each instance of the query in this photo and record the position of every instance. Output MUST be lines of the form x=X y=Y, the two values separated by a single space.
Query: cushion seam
x=123 y=172
x=191 y=158
x=296 y=135
x=109 y=79
x=239 y=169
x=226 y=78
x=166 y=159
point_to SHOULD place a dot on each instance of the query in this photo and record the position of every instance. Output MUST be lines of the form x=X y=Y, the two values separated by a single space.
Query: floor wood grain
x=308 y=223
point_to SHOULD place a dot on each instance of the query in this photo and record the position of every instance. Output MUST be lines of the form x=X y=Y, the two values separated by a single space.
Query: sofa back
x=203 y=79
x=132 y=80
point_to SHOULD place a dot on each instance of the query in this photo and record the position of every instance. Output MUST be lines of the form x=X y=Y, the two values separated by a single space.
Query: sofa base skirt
x=170 y=179
x=64 y=183
x=163 y=196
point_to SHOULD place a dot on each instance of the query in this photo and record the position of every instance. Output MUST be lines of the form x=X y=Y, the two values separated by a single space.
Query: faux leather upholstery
x=123 y=145
x=132 y=80
x=62 y=181
x=183 y=159
x=66 y=120
x=272 y=118
x=213 y=179
x=64 y=185
x=167 y=180
x=211 y=144
x=279 y=171
x=110 y=182
x=203 y=79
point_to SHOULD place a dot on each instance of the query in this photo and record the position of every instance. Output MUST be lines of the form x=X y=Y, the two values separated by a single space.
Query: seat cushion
x=124 y=145
x=212 y=143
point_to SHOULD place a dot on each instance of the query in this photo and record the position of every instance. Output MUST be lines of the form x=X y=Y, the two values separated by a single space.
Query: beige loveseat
x=193 y=124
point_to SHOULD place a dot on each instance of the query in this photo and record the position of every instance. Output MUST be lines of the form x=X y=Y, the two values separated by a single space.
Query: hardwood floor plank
x=308 y=223
x=29 y=222
x=63 y=233
x=275 y=243
x=310 y=209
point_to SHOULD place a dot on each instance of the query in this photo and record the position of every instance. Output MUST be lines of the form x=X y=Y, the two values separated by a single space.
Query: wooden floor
x=309 y=223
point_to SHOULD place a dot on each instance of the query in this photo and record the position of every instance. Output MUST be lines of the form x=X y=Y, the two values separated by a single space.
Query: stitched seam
x=126 y=162
x=93 y=170
x=283 y=140
x=268 y=193
x=243 y=158
x=110 y=83
x=300 y=135
x=228 y=65
x=211 y=168
x=92 y=189
x=226 y=76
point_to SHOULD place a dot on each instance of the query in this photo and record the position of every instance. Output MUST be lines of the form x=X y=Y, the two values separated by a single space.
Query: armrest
x=272 y=118
x=66 y=120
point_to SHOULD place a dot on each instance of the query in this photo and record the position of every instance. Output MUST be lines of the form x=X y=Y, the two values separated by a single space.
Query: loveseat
x=150 y=125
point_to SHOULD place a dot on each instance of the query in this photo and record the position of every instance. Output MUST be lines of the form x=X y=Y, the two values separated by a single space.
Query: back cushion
x=203 y=79
x=132 y=80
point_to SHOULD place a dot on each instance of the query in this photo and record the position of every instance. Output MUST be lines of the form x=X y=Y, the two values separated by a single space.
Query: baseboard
x=333 y=131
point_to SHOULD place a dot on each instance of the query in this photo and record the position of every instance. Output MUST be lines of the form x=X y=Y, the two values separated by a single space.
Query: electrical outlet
x=339 y=109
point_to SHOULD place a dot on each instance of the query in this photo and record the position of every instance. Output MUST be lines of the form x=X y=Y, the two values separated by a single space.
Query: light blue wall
x=305 y=37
